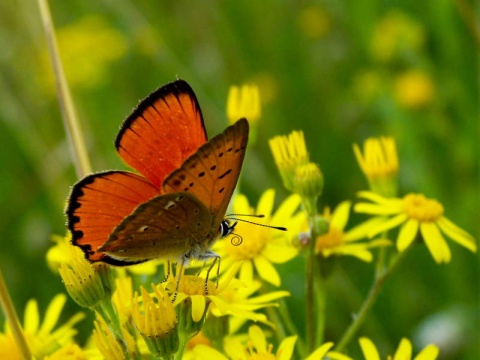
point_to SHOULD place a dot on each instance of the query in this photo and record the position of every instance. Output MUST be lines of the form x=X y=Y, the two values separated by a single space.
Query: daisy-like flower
x=379 y=163
x=289 y=152
x=404 y=351
x=415 y=214
x=257 y=348
x=42 y=339
x=261 y=247
x=243 y=102
x=337 y=241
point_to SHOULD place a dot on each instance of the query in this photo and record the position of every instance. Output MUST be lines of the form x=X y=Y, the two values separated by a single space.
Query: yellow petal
x=435 y=242
x=368 y=348
x=429 y=353
x=31 y=318
x=240 y=204
x=340 y=215
x=457 y=234
x=407 y=234
x=266 y=270
x=285 y=349
x=388 y=224
x=53 y=313
x=257 y=337
x=266 y=202
x=373 y=197
x=246 y=272
x=361 y=230
x=333 y=355
x=198 y=307
x=286 y=210
x=404 y=351
x=279 y=254
x=206 y=352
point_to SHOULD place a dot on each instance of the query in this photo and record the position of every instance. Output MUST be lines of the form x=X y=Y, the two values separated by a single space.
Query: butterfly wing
x=211 y=173
x=98 y=203
x=165 y=129
x=167 y=227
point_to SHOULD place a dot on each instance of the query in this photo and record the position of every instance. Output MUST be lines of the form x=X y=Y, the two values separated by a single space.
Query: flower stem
x=12 y=319
x=380 y=279
x=70 y=122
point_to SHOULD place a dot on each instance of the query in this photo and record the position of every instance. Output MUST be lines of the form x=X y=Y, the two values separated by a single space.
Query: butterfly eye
x=226 y=228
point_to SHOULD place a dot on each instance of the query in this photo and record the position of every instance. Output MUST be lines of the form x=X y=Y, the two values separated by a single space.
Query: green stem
x=321 y=305
x=290 y=326
x=70 y=122
x=380 y=280
x=11 y=316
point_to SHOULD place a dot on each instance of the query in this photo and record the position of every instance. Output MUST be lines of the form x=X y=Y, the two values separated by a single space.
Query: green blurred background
x=341 y=71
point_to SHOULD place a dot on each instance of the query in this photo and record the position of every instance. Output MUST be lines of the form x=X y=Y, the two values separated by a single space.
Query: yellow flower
x=87 y=48
x=243 y=102
x=404 y=351
x=256 y=348
x=314 y=22
x=379 y=163
x=415 y=213
x=41 y=338
x=262 y=246
x=158 y=322
x=414 y=89
x=289 y=152
x=396 y=35
x=340 y=242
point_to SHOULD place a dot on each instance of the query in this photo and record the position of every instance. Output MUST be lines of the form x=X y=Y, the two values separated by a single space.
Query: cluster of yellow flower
x=132 y=322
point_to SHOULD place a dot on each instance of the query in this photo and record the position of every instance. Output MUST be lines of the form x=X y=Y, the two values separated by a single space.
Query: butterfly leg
x=207 y=256
x=179 y=276
x=167 y=271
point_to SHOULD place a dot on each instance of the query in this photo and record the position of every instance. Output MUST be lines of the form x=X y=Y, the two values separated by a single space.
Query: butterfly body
x=174 y=209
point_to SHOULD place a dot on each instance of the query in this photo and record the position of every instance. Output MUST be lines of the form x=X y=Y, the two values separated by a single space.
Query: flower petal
x=266 y=202
x=404 y=350
x=257 y=337
x=286 y=210
x=388 y=224
x=457 y=234
x=266 y=270
x=206 y=352
x=374 y=197
x=53 y=313
x=279 y=254
x=407 y=234
x=246 y=272
x=340 y=215
x=240 y=204
x=320 y=352
x=285 y=350
x=198 y=307
x=31 y=317
x=435 y=242
x=361 y=230
x=369 y=349
x=428 y=353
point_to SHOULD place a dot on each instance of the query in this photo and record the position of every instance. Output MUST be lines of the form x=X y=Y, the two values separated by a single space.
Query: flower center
x=251 y=246
x=330 y=240
x=195 y=285
x=418 y=207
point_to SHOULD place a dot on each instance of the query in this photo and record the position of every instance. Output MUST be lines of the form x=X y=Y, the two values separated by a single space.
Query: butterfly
x=174 y=207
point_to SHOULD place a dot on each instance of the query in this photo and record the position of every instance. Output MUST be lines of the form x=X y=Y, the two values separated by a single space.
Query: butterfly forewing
x=167 y=227
x=99 y=202
x=165 y=129
x=211 y=174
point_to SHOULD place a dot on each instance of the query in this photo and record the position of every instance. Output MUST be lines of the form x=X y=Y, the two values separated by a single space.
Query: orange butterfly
x=175 y=209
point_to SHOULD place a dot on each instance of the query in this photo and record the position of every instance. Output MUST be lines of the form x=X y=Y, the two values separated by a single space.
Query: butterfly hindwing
x=164 y=129
x=167 y=226
x=211 y=173
x=99 y=202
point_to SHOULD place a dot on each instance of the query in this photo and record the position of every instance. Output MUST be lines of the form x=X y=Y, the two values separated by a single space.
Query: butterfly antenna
x=236 y=218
